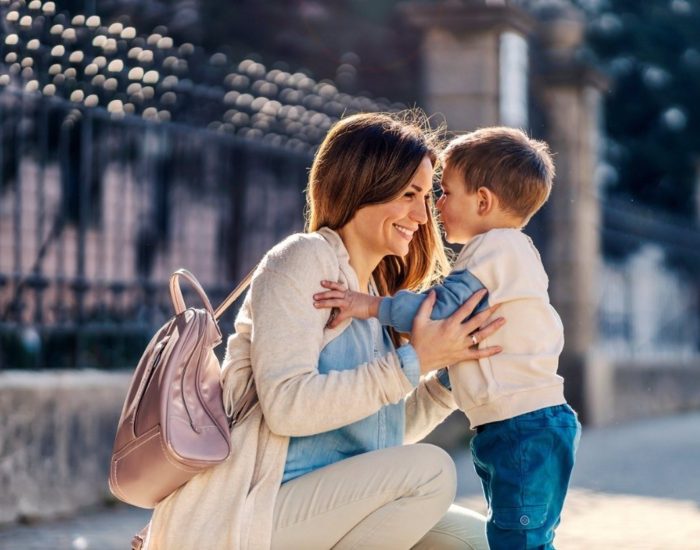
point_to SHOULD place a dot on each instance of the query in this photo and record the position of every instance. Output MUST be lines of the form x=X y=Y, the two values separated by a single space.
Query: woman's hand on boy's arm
x=347 y=303
x=443 y=342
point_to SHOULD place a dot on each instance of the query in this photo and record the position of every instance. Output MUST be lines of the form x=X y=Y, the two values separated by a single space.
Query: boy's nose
x=440 y=202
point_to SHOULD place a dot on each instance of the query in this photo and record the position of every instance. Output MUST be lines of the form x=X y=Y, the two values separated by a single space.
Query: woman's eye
x=410 y=195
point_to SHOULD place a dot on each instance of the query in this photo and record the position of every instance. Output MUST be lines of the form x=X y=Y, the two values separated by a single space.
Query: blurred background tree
x=651 y=49
x=360 y=44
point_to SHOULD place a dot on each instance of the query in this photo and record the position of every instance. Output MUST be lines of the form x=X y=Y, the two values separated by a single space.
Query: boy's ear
x=486 y=201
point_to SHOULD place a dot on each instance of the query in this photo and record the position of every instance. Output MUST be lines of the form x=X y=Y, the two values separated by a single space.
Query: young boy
x=494 y=181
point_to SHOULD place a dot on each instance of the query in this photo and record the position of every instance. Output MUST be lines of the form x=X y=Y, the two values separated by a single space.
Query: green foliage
x=651 y=51
x=360 y=44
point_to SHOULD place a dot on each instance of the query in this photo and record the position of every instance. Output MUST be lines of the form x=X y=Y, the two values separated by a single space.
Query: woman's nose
x=420 y=213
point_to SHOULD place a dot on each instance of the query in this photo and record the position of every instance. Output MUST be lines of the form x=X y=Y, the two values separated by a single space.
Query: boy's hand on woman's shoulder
x=346 y=303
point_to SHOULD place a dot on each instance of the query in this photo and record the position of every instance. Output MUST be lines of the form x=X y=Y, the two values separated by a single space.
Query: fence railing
x=649 y=293
x=124 y=156
x=96 y=212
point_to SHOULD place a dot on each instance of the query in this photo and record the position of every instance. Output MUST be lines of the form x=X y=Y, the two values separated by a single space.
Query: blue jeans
x=525 y=464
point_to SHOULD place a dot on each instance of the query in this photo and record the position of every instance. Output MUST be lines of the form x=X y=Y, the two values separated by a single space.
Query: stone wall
x=56 y=435
x=621 y=391
x=57 y=428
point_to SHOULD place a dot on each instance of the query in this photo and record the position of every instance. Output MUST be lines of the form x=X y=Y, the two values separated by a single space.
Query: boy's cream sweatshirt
x=279 y=335
x=523 y=378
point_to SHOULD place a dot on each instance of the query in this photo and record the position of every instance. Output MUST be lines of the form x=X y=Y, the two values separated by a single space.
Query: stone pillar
x=480 y=60
x=463 y=44
x=569 y=93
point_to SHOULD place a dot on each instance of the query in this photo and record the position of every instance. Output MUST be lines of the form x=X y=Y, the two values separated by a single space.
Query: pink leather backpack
x=173 y=424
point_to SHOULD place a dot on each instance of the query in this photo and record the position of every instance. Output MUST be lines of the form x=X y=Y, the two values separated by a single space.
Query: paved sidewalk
x=635 y=487
x=106 y=529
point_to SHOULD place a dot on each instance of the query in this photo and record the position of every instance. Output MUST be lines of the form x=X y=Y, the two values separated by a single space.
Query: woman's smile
x=405 y=232
x=388 y=228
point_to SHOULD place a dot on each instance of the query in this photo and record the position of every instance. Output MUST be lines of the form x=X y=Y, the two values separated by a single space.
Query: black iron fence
x=96 y=212
x=125 y=156
x=649 y=292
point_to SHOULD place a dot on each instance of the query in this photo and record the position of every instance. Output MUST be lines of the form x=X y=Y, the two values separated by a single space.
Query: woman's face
x=388 y=228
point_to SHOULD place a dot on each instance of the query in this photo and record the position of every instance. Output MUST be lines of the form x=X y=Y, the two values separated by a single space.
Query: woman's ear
x=486 y=201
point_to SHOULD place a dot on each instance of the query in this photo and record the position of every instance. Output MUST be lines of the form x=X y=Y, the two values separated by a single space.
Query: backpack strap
x=179 y=302
x=234 y=295
x=176 y=292
x=247 y=402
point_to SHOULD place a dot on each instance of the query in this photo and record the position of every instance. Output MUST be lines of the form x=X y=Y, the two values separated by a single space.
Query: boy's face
x=459 y=209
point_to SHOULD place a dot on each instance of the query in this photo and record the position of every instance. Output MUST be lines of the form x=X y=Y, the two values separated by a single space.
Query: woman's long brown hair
x=368 y=159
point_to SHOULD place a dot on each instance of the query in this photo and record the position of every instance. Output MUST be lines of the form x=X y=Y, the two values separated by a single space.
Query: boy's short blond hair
x=519 y=170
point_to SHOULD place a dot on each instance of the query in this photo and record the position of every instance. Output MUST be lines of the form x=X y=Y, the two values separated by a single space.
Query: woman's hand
x=448 y=341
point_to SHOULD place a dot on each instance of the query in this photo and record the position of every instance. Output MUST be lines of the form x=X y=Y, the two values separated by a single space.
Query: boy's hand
x=347 y=303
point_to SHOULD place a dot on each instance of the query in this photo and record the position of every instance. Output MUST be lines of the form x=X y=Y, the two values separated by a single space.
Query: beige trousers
x=396 y=498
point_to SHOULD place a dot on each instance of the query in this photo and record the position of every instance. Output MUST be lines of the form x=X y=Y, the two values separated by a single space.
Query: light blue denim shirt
x=361 y=342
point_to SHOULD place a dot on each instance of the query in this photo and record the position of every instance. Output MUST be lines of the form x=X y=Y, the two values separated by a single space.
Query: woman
x=321 y=462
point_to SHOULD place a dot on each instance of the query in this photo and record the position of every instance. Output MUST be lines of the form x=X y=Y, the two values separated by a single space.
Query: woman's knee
x=439 y=469
x=435 y=456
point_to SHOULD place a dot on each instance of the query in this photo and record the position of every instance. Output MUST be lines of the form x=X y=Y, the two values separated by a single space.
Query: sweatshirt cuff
x=384 y=314
x=439 y=392
x=443 y=376
x=409 y=363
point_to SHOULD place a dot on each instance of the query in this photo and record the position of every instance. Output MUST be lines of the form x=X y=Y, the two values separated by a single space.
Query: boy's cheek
x=446 y=226
x=446 y=223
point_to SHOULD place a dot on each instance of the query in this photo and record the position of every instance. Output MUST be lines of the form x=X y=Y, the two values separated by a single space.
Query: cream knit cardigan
x=279 y=336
